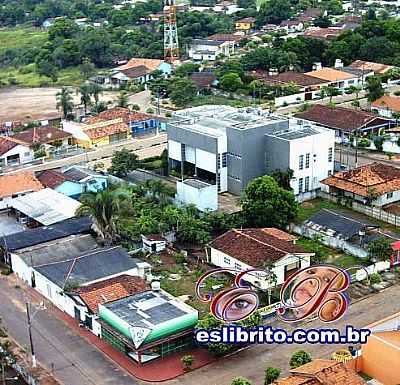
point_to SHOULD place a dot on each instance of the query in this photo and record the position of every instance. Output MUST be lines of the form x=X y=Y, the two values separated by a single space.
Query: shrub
x=378 y=142
x=375 y=278
x=364 y=142
x=271 y=374
x=168 y=114
x=179 y=258
x=187 y=361
x=150 y=110
x=299 y=358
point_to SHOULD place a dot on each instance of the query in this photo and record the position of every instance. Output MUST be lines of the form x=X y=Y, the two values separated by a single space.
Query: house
x=137 y=70
x=154 y=243
x=44 y=207
x=387 y=106
x=381 y=354
x=64 y=273
x=16 y=185
x=326 y=34
x=308 y=86
x=292 y=26
x=220 y=148
x=48 y=136
x=148 y=325
x=245 y=25
x=73 y=181
x=336 y=77
x=112 y=126
x=225 y=37
x=375 y=184
x=244 y=249
x=89 y=297
x=345 y=121
x=209 y=50
x=377 y=68
x=310 y=14
x=204 y=81
x=322 y=372
x=13 y=153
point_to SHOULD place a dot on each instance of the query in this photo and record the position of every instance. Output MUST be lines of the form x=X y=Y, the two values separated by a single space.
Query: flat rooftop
x=215 y=119
x=298 y=130
x=196 y=183
x=148 y=309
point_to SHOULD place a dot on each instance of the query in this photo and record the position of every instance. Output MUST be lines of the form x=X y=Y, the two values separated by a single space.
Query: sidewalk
x=159 y=370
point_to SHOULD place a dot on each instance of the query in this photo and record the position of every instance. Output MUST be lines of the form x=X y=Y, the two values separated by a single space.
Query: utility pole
x=28 y=314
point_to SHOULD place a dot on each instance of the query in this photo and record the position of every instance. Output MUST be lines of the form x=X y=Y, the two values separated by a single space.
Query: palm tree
x=159 y=191
x=355 y=90
x=95 y=91
x=85 y=91
x=105 y=208
x=123 y=100
x=329 y=91
x=65 y=101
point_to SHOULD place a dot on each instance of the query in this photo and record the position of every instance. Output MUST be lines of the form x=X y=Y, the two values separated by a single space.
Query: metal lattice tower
x=171 y=44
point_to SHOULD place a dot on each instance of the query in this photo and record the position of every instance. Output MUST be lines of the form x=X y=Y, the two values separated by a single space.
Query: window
x=389 y=195
x=307 y=183
x=300 y=185
x=227 y=261
x=301 y=162
x=330 y=154
x=307 y=160
x=218 y=162
x=26 y=154
x=224 y=159
x=329 y=172
x=237 y=266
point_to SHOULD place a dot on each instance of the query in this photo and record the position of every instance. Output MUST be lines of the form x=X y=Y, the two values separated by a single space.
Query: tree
x=299 y=358
x=241 y=381
x=85 y=92
x=123 y=162
x=274 y=11
x=187 y=361
x=283 y=178
x=380 y=249
x=322 y=22
x=105 y=208
x=87 y=68
x=374 y=88
x=123 y=100
x=329 y=91
x=95 y=91
x=271 y=374
x=65 y=101
x=135 y=107
x=182 y=92
x=231 y=82
x=265 y=204
x=187 y=69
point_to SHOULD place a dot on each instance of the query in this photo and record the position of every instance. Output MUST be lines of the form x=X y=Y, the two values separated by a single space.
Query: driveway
x=75 y=361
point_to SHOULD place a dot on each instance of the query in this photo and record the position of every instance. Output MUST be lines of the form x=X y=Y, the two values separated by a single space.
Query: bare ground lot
x=34 y=103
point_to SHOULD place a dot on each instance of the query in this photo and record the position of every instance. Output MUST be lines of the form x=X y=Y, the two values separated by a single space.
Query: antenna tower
x=171 y=45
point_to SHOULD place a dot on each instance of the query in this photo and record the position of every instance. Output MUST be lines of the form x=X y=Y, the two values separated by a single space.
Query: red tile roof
x=378 y=68
x=285 y=78
x=52 y=178
x=374 y=177
x=18 y=183
x=203 y=79
x=255 y=246
x=6 y=144
x=387 y=102
x=136 y=72
x=323 y=33
x=101 y=132
x=342 y=118
x=150 y=64
x=226 y=37
x=111 y=290
x=42 y=135
x=322 y=372
x=124 y=113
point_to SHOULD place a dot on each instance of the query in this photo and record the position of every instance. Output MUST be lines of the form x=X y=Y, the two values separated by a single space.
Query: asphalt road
x=75 y=361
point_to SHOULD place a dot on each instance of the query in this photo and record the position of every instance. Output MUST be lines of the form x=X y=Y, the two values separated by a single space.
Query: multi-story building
x=219 y=149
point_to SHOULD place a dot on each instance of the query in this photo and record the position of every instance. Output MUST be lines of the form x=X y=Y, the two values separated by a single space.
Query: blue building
x=73 y=181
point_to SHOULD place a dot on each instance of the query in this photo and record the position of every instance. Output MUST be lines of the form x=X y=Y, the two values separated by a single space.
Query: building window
x=237 y=266
x=301 y=162
x=224 y=159
x=330 y=154
x=227 y=261
x=237 y=156
x=389 y=195
x=218 y=162
x=307 y=160
x=26 y=154
x=307 y=183
x=300 y=185
x=329 y=172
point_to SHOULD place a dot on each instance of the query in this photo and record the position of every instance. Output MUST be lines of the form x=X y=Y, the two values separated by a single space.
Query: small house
x=154 y=243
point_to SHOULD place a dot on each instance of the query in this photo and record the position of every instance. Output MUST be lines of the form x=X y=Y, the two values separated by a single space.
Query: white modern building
x=225 y=148
x=209 y=50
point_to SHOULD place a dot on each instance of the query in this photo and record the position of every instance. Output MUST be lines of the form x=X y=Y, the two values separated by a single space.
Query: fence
x=374 y=212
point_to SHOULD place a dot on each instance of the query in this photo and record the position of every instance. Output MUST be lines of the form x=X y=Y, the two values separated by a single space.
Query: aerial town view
x=199 y=192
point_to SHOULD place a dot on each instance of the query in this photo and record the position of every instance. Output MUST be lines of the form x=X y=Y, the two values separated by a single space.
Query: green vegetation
x=21 y=37
x=299 y=358
x=375 y=278
x=271 y=374
x=308 y=209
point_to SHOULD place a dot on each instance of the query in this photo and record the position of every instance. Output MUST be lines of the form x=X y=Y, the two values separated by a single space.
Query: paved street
x=76 y=362
x=144 y=148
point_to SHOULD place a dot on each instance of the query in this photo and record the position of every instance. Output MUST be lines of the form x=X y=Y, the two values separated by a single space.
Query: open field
x=21 y=37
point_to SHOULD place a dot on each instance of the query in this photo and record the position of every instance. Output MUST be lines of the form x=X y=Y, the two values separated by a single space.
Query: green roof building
x=148 y=325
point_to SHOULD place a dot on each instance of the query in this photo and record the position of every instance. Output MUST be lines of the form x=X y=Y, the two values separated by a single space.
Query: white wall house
x=386 y=106
x=13 y=154
x=209 y=50
x=246 y=249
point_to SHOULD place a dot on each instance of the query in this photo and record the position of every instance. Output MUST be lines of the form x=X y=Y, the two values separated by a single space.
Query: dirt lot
x=25 y=104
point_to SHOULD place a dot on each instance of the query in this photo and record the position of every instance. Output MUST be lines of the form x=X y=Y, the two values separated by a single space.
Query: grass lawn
x=309 y=208
x=21 y=37
x=27 y=77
